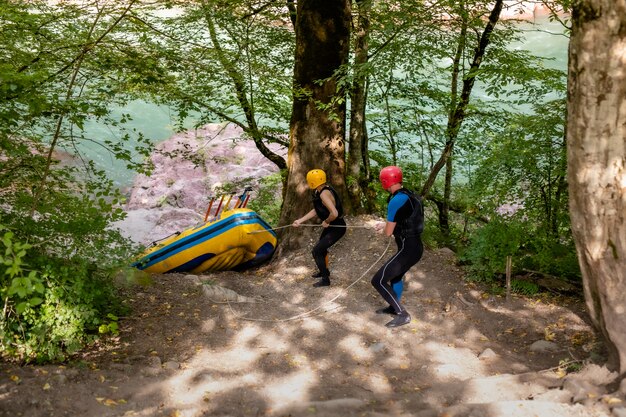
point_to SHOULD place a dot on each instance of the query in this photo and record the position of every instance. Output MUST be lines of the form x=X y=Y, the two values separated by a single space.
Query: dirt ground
x=266 y=343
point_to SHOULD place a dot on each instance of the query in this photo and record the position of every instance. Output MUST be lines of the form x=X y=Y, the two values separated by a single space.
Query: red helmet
x=389 y=176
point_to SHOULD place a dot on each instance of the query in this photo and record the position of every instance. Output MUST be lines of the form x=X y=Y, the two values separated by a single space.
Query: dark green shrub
x=51 y=307
x=524 y=287
x=491 y=244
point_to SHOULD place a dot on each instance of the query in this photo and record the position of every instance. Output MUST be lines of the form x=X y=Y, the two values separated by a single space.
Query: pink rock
x=189 y=168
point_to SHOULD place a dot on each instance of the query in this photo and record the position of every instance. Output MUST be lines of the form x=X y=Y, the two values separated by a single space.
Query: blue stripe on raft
x=262 y=254
x=194 y=263
x=231 y=222
x=226 y=224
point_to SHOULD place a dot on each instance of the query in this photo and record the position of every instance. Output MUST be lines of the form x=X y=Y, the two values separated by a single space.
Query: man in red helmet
x=405 y=221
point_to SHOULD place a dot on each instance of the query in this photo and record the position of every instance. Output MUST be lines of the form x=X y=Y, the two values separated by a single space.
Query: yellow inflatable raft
x=237 y=240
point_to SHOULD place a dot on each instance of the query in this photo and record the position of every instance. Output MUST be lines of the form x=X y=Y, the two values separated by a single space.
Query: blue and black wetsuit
x=330 y=235
x=405 y=209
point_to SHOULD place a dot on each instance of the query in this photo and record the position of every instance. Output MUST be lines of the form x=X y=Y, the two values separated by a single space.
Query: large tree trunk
x=597 y=163
x=317 y=127
x=358 y=158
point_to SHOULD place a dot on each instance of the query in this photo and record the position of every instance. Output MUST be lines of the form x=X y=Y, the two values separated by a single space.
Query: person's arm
x=389 y=227
x=329 y=202
x=392 y=209
x=309 y=215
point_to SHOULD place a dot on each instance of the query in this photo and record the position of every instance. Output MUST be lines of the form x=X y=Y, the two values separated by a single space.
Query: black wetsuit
x=330 y=235
x=406 y=210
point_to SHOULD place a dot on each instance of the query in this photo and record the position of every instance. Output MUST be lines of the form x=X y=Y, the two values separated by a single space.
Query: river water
x=156 y=122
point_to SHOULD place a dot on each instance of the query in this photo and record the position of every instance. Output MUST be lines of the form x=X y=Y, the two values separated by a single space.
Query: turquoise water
x=157 y=122
x=546 y=39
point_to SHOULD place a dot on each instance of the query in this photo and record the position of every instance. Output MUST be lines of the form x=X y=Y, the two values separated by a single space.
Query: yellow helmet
x=315 y=178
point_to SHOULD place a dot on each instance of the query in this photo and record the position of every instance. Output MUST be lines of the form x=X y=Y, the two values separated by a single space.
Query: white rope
x=309 y=313
x=307 y=225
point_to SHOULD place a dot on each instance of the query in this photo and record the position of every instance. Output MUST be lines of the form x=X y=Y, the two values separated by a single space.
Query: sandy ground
x=266 y=343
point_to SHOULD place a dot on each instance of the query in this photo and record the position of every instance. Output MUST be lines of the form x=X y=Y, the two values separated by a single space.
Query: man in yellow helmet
x=327 y=206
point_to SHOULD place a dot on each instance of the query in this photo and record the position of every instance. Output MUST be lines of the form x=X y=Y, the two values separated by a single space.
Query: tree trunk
x=444 y=213
x=596 y=144
x=358 y=158
x=456 y=119
x=317 y=126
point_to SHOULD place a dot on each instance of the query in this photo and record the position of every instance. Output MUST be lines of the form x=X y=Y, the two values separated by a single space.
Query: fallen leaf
x=109 y=402
x=612 y=400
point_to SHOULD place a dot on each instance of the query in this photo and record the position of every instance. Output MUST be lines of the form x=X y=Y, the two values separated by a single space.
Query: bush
x=490 y=245
x=529 y=248
x=553 y=258
x=51 y=307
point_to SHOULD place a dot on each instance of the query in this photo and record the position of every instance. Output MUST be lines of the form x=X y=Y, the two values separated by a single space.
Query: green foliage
x=63 y=67
x=267 y=202
x=552 y=257
x=515 y=236
x=52 y=307
x=226 y=61
x=524 y=287
x=491 y=244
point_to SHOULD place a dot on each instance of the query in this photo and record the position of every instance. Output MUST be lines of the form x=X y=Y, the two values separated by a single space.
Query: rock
x=219 y=294
x=582 y=390
x=194 y=279
x=554 y=395
x=171 y=365
x=619 y=412
x=150 y=371
x=154 y=362
x=595 y=374
x=189 y=168
x=377 y=347
x=543 y=346
x=487 y=354
x=589 y=383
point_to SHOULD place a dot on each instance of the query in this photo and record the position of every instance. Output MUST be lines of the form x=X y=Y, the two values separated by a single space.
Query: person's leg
x=409 y=253
x=318 y=274
x=320 y=251
x=397 y=284
x=329 y=237
x=382 y=282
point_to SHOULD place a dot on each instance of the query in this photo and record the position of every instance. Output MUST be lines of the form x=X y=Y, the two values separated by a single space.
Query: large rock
x=190 y=168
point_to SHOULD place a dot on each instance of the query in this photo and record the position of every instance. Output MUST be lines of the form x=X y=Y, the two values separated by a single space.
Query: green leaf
x=34 y=301
x=21 y=307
